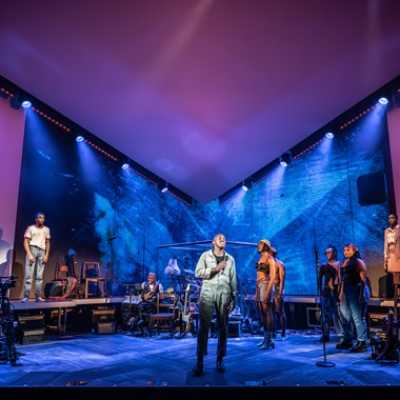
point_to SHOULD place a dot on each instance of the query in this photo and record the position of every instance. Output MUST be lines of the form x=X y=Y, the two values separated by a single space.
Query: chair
x=165 y=316
x=90 y=273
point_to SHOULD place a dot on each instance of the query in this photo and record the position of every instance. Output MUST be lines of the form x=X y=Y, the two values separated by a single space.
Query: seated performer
x=69 y=284
x=328 y=281
x=354 y=294
x=37 y=250
x=265 y=285
x=151 y=289
x=279 y=306
x=218 y=293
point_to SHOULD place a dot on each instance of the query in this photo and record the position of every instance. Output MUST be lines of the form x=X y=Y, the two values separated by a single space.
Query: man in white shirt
x=37 y=250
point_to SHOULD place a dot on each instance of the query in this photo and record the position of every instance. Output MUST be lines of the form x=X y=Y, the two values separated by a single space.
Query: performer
x=265 y=287
x=328 y=286
x=354 y=295
x=392 y=250
x=37 y=249
x=151 y=289
x=69 y=284
x=173 y=274
x=70 y=263
x=172 y=268
x=218 y=292
x=279 y=306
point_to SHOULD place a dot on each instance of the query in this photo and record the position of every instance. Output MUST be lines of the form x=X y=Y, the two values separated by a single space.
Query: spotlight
x=329 y=135
x=246 y=185
x=125 y=166
x=383 y=101
x=285 y=159
x=79 y=139
x=164 y=189
x=26 y=104
x=283 y=163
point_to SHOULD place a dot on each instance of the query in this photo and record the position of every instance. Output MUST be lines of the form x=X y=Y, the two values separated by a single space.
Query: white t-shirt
x=37 y=236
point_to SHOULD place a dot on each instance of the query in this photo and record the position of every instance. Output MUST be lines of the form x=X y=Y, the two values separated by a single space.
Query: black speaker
x=371 y=189
x=53 y=289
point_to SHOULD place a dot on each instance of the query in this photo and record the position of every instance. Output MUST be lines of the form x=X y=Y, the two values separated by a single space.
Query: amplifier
x=103 y=319
x=313 y=315
x=105 y=328
x=234 y=328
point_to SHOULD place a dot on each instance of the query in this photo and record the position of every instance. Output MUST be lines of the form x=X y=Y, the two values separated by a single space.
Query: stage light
x=285 y=159
x=125 y=166
x=245 y=188
x=383 y=101
x=283 y=163
x=26 y=104
x=164 y=189
x=329 y=135
x=79 y=139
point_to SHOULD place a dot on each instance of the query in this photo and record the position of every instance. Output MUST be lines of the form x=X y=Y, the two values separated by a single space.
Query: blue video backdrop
x=120 y=218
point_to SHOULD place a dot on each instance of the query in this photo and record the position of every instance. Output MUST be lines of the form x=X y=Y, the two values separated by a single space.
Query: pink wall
x=11 y=141
x=394 y=140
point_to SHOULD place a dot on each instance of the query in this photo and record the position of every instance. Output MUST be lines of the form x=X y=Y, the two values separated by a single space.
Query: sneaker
x=359 y=347
x=261 y=344
x=268 y=345
x=344 y=345
x=25 y=300
x=40 y=299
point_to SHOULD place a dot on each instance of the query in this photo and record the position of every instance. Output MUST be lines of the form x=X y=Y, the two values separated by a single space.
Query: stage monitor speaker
x=371 y=189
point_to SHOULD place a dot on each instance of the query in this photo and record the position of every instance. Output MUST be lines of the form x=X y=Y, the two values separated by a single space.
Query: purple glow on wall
x=192 y=89
x=11 y=141
x=394 y=140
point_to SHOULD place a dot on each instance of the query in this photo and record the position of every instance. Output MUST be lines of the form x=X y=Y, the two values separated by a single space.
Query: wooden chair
x=165 y=317
x=96 y=279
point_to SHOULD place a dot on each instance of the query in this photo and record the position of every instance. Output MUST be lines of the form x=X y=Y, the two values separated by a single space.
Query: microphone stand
x=322 y=363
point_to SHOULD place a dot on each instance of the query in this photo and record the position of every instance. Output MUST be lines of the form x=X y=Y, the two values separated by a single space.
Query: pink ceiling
x=201 y=92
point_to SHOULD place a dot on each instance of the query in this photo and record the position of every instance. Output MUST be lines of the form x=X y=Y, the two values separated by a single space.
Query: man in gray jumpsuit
x=218 y=292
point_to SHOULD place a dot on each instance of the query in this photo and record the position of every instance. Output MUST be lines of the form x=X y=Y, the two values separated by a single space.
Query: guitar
x=151 y=293
x=187 y=317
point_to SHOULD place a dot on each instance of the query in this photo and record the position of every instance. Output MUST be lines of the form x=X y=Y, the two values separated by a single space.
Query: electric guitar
x=187 y=317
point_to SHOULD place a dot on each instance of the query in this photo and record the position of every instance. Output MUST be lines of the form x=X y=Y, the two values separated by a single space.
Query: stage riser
x=37 y=324
x=106 y=318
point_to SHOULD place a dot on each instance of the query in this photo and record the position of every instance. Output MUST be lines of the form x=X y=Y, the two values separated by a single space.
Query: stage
x=125 y=361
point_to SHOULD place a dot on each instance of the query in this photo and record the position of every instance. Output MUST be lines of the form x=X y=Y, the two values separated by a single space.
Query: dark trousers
x=208 y=304
x=330 y=313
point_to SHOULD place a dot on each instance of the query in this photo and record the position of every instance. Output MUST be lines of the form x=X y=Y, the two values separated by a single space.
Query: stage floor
x=121 y=360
